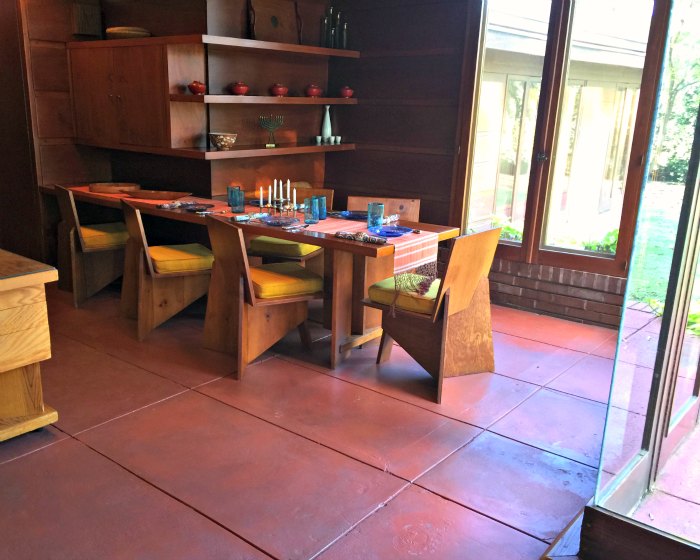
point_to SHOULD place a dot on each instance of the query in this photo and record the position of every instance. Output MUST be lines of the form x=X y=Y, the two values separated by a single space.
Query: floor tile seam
x=569 y=394
x=502 y=416
x=548 y=343
x=483 y=514
x=304 y=437
x=450 y=454
x=682 y=498
x=124 y=415
x=378 y=508
x=393 y=397
x=31 y=452
x=124 y=361
x=549 y=451
x=174 y=497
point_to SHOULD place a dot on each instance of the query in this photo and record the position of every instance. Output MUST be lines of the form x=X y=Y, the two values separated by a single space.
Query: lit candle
x=294 y=202
x=288 y=189
x=274 y=190
x=269 y=195
x=261 y=197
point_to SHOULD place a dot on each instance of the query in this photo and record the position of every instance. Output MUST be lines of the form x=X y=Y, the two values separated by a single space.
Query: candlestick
x=269 y=195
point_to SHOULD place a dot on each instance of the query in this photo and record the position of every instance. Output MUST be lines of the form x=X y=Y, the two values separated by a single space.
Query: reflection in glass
x=596 y=124
x=510 y=91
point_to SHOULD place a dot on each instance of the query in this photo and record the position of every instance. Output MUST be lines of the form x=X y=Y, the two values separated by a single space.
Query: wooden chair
x=447 y=330
x=250 y=309
x=160 y=281
x=271 y=249
x=90 y=256
x=407 y=208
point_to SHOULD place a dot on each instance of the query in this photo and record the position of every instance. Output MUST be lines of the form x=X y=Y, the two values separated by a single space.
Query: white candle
x=294 y=202
x=288 y=189
x=269 y=195
x=261 y=197
x=274 y=190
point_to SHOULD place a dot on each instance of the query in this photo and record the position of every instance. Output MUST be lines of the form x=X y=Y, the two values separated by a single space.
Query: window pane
x=510 y=90
x=596 y=124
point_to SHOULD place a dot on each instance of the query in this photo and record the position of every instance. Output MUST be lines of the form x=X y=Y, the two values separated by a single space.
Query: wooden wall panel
x=54 y=115
x=408 y=84
x=64 y=162
x=49 y=20
x=160 y=17
x=252 y=173
x=50 y=67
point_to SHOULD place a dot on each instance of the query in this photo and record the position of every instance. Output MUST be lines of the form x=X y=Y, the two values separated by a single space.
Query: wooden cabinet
x=118 y=95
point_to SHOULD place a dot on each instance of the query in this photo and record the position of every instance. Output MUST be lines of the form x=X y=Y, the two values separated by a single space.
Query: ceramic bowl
x=223 y=140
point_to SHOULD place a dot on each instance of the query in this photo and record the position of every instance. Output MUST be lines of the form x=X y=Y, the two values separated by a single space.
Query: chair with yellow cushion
x=160 y=281
x=447 y=329
x=251 y=308
x=90 y=256
x=272 y=249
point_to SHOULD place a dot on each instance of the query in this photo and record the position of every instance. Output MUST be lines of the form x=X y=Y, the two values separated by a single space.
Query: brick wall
x=572 y=294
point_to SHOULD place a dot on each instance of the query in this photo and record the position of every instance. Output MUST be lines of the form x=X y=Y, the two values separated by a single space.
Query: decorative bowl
x=312 y=90
x=279 y=90
x=223 y=140
x=239 y=88
x=197 y=87
x=126 y=32
x=346 y=92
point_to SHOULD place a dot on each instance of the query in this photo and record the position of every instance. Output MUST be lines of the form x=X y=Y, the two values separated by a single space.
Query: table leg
x=367 y=271
x=340 y=302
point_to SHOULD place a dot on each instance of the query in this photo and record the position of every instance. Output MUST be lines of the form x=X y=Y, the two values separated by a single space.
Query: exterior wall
x=571 y=294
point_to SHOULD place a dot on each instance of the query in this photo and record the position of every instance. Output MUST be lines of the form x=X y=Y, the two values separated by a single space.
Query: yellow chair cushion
x=385 y=291
x=103 y=236
x=280 y=247
x=181 y=258
x=284 y=279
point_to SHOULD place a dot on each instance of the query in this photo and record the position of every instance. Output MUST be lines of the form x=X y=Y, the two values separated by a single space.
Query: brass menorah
x=271 y=123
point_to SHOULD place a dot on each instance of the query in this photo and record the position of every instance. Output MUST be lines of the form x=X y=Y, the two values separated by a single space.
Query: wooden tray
x=156 y=195
x=113 y=188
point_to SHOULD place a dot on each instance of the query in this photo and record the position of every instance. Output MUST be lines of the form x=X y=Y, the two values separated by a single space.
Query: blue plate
x=359 y=215
x=278 y=220
x=390 y=231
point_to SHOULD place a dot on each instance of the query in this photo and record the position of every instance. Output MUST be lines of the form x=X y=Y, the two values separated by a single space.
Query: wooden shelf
x=239 y=152
x=229 y=42
x=261 y=99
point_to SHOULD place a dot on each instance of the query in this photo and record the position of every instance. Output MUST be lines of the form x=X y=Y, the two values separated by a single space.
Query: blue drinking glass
x=321 y=206
x=310 y=211
x=236 y=199
x=375 y=214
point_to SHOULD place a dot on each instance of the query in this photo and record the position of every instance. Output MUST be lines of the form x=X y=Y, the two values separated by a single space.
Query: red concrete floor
x=159 y=453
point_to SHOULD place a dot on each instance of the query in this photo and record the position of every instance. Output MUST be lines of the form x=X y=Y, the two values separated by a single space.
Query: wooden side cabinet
x=24 y=342
x=118 y=95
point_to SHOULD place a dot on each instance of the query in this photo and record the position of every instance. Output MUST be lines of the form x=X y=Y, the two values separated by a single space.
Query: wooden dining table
x=350 y=266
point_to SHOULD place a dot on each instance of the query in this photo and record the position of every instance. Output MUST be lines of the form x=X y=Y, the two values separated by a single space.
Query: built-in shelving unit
x=261 y=99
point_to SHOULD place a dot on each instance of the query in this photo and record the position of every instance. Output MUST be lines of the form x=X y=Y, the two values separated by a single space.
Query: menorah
x=271 y=123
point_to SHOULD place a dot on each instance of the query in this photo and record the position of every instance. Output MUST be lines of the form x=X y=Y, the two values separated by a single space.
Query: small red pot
x=346 y=92
x=197 y=87
x=239 y=88
x=312 y=90
x=279 y=90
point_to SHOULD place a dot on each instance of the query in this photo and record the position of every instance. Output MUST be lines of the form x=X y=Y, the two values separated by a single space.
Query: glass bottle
x=344 y=36
x=323 y=40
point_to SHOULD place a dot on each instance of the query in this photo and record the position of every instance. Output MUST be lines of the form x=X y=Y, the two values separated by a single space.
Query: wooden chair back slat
x=469 y=261
x=69 y=213
x=407 y=208
x=228 y=246
x=137 y=235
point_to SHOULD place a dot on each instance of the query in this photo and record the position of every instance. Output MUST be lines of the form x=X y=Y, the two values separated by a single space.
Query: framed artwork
x=275 y=20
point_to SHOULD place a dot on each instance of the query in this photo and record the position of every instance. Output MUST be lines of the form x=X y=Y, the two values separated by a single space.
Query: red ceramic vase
x=312 y=90
x=239 y=88
x=197 y=87
x=346 y=92
x=279 y=90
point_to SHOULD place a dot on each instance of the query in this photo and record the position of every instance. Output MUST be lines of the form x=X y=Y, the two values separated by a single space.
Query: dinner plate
x=390 y=231
x=197 y=207
x=359 y=215
x=156 y=195
x=113 y=188
x=279 y=220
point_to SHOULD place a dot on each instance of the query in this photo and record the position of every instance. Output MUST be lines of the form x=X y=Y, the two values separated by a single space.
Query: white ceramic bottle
x=326 y=129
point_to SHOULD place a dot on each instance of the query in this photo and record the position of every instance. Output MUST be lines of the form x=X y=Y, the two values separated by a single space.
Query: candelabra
x=271 y=123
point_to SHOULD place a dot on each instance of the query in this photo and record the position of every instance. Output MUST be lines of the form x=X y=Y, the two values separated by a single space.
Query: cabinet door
x=93 y=100
x=142 y=94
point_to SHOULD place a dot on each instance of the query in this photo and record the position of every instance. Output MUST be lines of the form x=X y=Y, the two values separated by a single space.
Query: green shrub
x=606 y=245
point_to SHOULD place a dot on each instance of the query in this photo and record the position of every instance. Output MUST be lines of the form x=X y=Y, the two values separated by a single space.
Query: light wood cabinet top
x=19 y=272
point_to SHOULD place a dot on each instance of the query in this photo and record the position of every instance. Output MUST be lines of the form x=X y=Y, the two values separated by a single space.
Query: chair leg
x=385 y=346
x=304 y=335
